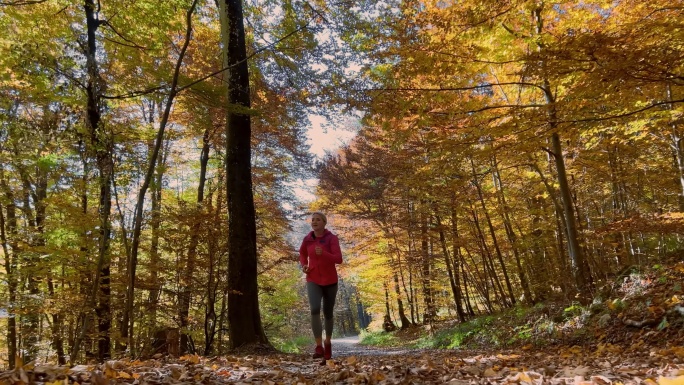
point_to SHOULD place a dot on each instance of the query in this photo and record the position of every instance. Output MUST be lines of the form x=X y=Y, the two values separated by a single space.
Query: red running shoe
x=318 y=352
x=328 y=350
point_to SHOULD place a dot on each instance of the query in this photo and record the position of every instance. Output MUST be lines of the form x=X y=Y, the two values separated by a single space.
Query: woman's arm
x=303 y=255
x=335 y=254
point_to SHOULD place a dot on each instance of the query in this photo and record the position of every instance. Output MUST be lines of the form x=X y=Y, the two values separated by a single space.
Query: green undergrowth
x=646 y=303
x=380 y=339
x=293 y=345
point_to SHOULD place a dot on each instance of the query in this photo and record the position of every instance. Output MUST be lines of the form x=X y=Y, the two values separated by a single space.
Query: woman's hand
x=306 y=269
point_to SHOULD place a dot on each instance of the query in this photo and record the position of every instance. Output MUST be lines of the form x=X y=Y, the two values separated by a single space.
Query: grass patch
x=559 y=321
x=379 y=338
x=295 y=345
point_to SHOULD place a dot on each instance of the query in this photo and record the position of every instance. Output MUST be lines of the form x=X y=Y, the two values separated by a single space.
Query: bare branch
x=623 y=115
x=182 y=88
x=131 y=43
x=469 y=88
x=315 y=11
x=258 y=51
x=133 y=94
x=474 y=60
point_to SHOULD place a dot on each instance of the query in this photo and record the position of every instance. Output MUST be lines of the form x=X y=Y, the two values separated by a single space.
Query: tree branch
x=182 y=88
x=623 y=115
x=486 y=108
x=24 y=2
x=133 y=94
x=132 y=43
x=469 y=88
x=258 y=51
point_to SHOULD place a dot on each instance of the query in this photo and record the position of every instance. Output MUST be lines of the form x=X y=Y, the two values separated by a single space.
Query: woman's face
x=317 y=223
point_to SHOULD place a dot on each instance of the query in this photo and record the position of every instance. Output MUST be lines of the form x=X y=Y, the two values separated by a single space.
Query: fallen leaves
x=549 y=367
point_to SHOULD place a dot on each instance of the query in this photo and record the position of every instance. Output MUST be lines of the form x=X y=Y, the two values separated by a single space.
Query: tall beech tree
x=101 y=145
x=244 y=318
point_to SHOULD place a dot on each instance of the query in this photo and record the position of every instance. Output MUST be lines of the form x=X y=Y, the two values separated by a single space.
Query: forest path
x=350 y=346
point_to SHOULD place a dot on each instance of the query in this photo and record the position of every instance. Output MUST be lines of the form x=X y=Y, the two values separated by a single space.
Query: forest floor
x=632 y=333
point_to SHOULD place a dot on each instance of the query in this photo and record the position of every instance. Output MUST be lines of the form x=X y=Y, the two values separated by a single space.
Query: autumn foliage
x=511 y=152
x=508 y=153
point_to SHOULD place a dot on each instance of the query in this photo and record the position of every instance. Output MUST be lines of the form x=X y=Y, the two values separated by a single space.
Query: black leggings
x=327 y=294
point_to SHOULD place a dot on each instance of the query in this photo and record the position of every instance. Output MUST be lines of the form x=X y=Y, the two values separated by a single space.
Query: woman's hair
x=320 y=214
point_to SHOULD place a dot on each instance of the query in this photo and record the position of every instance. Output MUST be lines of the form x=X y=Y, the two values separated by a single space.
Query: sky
x=323 y=138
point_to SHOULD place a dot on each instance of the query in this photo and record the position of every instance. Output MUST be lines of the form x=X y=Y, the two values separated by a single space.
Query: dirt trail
x=349 y=346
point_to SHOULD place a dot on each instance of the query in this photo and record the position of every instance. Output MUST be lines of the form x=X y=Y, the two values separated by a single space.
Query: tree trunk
x=429 y=312
x=210 y=318
x=244 y=319
x=57 y=337
x=103 y=308
x=102 y=147
x=487 y=265
x=453 y=277
x=155 y=224
x=127 y=328
x=512 y=238
x=8 y=229
x=387 y=323
x=185 y=291
x=405 y=323
x=678 y=147
x=499 y=255
x=574 y=249
x=395 y=266
x=561 y=229
x=413 y=308
x=35 y=190
x=466 y=292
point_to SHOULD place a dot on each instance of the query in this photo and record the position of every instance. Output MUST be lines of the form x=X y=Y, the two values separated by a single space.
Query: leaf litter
x=624 y=353
x=560 y=366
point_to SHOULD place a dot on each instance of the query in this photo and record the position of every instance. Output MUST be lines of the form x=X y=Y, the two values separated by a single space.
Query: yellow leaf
x=525 y=378
x=671 y=381
x=575 y=349
x=192 y=358
x=378 y=376
x=109 y=372
x=123 y=375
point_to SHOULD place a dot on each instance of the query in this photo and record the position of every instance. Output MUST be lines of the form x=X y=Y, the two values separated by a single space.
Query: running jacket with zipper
x=323 y=271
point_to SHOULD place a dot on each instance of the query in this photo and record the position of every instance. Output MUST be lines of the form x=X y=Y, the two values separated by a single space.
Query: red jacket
x=323 y=271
